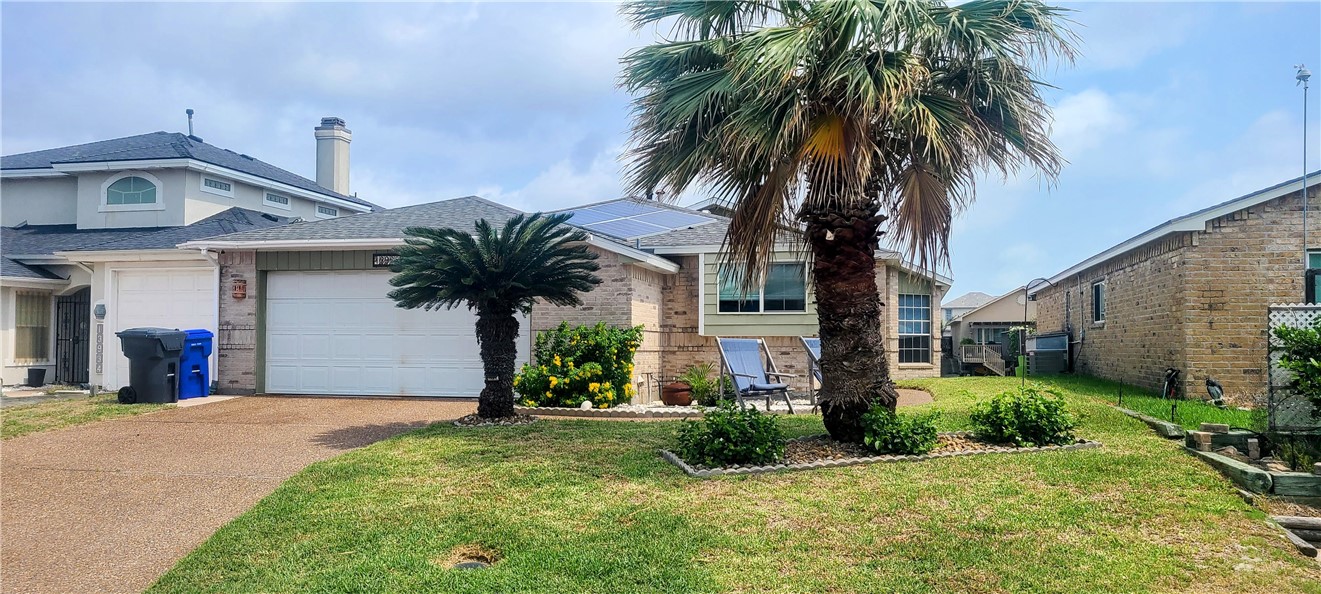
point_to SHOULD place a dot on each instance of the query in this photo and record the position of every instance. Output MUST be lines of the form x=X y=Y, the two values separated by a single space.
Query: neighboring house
x=316 y=295
x=90 y=234
x=1191 y=294
x=961 y=305
x=984 y=330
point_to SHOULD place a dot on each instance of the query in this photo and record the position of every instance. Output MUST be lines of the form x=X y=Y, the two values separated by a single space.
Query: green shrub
x=1032 y=416
x=1300 y=354
x=706 y=390
x=730 y=434
x=888 y=433
x=580 y=364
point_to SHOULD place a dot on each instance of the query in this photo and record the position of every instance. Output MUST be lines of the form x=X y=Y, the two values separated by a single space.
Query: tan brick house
x=1190 y=294
x=313 y=318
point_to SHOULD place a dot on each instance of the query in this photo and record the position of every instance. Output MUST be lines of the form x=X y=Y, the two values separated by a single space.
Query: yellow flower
x=516 y=378
x=548 y=393
x=557 y=360
x=602 y=405
x=592 y=387
x=554 y=380
x=628 y=389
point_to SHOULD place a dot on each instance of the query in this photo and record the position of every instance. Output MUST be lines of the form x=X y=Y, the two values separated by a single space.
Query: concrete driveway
x=109 y=507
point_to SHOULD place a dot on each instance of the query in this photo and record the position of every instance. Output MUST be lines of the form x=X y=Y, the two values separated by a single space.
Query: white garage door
x=338 y=333
x=181 y=298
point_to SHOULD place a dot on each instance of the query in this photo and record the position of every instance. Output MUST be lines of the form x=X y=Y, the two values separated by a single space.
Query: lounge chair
x=813 y=348
x=752 y=373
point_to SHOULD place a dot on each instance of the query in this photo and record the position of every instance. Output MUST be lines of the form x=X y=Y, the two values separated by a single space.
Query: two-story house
x=90 y=234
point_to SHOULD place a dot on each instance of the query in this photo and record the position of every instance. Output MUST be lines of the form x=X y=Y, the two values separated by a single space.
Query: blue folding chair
x=743 y=359
x=813 y=348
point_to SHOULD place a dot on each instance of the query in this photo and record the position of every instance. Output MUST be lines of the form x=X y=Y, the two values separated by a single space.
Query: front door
x=72 y=320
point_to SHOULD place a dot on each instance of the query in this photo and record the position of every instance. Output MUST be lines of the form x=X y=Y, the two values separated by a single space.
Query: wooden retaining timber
x=1303 y=532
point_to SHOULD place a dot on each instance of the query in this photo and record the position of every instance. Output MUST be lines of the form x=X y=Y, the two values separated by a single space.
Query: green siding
x=753 y=324
x=326 y=260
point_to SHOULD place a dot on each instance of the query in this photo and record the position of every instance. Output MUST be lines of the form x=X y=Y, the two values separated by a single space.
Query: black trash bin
x=153 y=372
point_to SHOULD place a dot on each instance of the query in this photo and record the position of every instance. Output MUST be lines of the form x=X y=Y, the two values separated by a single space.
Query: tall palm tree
x=497 y=273
x=823 y=119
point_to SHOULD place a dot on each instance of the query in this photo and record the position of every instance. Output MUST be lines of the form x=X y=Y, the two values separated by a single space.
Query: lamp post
x=1302 y=77
x=1022 y=340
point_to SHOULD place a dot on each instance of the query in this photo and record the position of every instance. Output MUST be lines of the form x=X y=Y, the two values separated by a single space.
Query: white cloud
x=1085 y=121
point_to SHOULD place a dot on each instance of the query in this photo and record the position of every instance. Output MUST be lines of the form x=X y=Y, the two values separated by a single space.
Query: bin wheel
x=127 y=395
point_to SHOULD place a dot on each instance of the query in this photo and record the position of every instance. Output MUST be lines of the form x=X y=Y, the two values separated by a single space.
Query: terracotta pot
x=677 y=394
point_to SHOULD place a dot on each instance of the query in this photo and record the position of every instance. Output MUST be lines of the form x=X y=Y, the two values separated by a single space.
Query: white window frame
x=159 y=204
x=266 y=199
x=322 y=215
x=931 y=346
x=217 y=191
x=1098 y=316
x=761 y=295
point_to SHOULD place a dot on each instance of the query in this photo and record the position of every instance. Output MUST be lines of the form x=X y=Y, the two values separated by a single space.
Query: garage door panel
x=163 y=297
x=360 y=343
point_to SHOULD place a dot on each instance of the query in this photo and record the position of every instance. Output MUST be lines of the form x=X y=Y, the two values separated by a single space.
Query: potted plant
x=700 y=387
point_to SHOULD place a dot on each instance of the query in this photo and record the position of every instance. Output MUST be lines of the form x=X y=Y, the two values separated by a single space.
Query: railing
x=986 y=354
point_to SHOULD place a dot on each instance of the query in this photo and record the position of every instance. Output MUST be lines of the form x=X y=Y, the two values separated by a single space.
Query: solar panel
x=588 y=216
x=626 y=228
x=673 y=219
x=624 y=209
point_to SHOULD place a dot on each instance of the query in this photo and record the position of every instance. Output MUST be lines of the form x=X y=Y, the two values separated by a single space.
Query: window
x=1098 y=302
x=130 y=190
x=277 y=201
x=31 y=326
x=786 y=287
x=326 y=211
x=1314 y=259
x=914 y=328
x=215 y=186
x=733 y=298
x=1312 y=277
x=990 y=334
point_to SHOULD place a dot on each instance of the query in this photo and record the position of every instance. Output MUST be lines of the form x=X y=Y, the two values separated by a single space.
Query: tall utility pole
x=1303 y=75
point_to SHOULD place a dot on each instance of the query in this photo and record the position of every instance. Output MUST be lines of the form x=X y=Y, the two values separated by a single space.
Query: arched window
x=131 y=190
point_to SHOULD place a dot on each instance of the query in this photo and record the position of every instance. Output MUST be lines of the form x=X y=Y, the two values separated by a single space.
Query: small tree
x=1300 y=354
x=497 y=273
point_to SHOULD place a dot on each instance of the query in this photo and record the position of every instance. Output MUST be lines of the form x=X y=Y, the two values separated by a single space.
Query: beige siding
x=753 y=324
x=39 y=201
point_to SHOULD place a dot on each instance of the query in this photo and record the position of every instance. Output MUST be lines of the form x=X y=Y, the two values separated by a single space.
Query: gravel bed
x=821 y=447
x=473 y=420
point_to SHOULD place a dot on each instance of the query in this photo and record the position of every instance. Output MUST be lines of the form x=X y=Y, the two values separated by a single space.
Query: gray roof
x=968 y=300
x=166 y=145
x=457 y=213
x=44 y=240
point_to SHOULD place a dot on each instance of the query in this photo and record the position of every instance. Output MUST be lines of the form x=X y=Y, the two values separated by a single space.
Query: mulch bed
x=473 y=420
x=819 y=451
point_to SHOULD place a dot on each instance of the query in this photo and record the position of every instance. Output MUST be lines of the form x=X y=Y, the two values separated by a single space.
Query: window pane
x=1098 y=302
x=131 y=190
x=1314 y=259
x=32 y=326
x=786 y=287
x=915 y=329
x=733 y=298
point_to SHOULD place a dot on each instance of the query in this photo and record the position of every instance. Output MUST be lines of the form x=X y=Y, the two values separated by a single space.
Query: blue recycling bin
x=194 y=364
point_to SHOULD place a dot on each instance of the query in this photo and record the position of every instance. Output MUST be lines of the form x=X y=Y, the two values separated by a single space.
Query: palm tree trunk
x=854 y=374
x=496 y=333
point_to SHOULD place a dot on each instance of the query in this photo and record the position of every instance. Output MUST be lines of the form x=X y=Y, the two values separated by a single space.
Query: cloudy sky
x=1172 y=107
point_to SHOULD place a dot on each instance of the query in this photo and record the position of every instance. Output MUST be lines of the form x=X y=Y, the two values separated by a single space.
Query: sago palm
x=824 y=119
x=497 y=273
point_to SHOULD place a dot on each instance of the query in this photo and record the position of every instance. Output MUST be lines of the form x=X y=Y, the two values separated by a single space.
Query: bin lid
x=171 y=338
x=197 y=333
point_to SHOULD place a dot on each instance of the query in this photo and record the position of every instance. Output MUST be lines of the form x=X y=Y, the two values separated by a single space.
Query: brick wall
x=236 y=343
x=1242 y=263
x=1195 y=301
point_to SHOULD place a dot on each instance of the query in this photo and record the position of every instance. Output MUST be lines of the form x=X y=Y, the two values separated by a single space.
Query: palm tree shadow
x=348 y=438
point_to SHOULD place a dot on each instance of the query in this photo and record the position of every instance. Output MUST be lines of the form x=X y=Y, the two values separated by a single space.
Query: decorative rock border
x=1166 y=429
x=703 y=472
x=607 y=413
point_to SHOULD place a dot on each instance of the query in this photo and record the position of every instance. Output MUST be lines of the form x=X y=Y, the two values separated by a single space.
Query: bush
x=1300 y=354
x=580 y=364
x=729 y=434
x=1032 y=416
x=885 y=432
x=706 y=391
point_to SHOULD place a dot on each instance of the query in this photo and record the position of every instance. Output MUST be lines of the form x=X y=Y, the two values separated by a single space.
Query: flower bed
x=819 y=451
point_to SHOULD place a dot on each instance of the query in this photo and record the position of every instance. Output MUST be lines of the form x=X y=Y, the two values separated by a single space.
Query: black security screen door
x=72 y=319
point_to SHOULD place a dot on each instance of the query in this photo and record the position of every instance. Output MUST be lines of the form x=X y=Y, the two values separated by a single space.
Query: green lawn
x=31 y=418
x=588 y=506
x=1188 y=413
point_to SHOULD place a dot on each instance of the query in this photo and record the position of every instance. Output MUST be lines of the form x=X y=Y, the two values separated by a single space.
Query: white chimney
x=332 y=154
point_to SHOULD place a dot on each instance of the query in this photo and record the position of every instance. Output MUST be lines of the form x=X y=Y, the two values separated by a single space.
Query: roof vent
x=245 y=156
x=196 y=138
x=270 y=217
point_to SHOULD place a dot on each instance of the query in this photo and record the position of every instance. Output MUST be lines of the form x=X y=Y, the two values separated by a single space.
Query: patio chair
x=742 y=358
x=813 y=347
